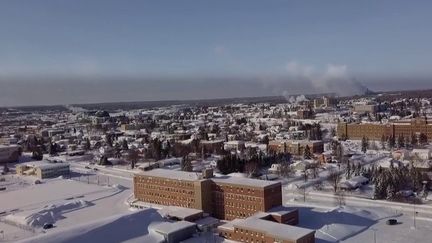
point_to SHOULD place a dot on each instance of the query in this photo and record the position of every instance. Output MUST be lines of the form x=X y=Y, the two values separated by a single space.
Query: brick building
x=235 y=197
x=295 y=147
x=223 y=197
x=375 y=131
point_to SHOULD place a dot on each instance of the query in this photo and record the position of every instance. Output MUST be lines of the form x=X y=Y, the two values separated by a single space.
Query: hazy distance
x=61 y=52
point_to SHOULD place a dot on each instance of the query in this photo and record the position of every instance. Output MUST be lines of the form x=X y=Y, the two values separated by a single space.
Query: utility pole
x=415 y=214
x=374 y=234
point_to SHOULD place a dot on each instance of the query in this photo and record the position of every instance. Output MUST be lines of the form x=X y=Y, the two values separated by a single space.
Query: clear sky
x=57 y=51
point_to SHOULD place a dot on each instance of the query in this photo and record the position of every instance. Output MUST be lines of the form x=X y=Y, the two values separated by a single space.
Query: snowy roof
x=281 y=231
x=244 y=181
x=52 y=166
x=171 y=174
x=46 y=165
x=179 y=212
x=166 y=228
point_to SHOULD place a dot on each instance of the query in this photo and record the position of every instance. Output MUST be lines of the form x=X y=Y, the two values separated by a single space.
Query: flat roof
x=192 y=176
x=179 y=212
x=277 y=230
x=45 y=165
x=244 y=181
x=167 y=228
x=172 y=174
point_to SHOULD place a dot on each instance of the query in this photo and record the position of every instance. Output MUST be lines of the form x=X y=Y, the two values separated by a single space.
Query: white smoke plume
x=294 y=99
x=333 y=79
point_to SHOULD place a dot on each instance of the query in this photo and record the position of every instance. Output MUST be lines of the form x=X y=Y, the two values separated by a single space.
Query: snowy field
x=359 y=224
x=62 y=202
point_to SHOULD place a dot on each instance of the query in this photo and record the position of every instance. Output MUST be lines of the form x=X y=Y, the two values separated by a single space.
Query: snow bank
x=48 y=214
x=341 y=223
x=125 y=227
x=119 y=187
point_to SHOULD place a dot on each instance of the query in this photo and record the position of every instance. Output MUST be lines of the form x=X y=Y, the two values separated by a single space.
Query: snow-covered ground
x=62 y=202
x=91 y=208
x=124 y=227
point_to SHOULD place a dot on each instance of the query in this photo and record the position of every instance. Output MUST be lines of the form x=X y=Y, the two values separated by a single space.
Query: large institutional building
x=375 y=131
x=223 y=197
x=253 y=207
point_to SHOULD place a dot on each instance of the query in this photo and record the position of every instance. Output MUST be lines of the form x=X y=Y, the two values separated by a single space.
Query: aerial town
x=194 y=121
x=299 y=169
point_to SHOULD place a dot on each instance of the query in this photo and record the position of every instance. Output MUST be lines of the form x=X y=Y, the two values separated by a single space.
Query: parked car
x=392 y=222
x=47 y=226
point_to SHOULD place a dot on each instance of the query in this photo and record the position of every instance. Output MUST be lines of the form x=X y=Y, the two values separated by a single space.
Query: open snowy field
x=61 y=202
x=361 y=224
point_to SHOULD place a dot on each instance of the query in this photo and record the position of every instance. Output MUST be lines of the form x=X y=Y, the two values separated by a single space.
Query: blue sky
x=86 y=40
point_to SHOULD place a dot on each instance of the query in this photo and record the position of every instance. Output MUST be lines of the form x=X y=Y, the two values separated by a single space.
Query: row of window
x=253 y=207
x=166 y=196
x=164 y=188
x=174 y=203
x=158 y=181
x=223 y=188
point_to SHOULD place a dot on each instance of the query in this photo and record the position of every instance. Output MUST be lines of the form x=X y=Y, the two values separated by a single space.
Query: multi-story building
x=305 y=114
x=295 y=147
x=375 y=131
x=235 y=197
x=174 y=188
x=222 y=197
x=324 y=102
x=365 y=108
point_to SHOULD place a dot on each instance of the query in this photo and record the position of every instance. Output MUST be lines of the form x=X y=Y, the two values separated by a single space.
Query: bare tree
x=285 y=169
x=302 y=192
x=133 y=157
x=340 y=198
x=251 y=168
x=334 y=178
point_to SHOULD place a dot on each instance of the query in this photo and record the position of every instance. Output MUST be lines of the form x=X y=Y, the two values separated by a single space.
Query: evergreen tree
x=133 y=157
x=125 y=145
x=87 y=144
x=37 y=153
x=390 y=191
x=348 y=170
x=401 y=141
x=307 y=154
x=186 y=164
x=364 y=145
x=423 y=139
x=414 y=140
x=104 y=161
x=52 y=148
x=392 y=142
